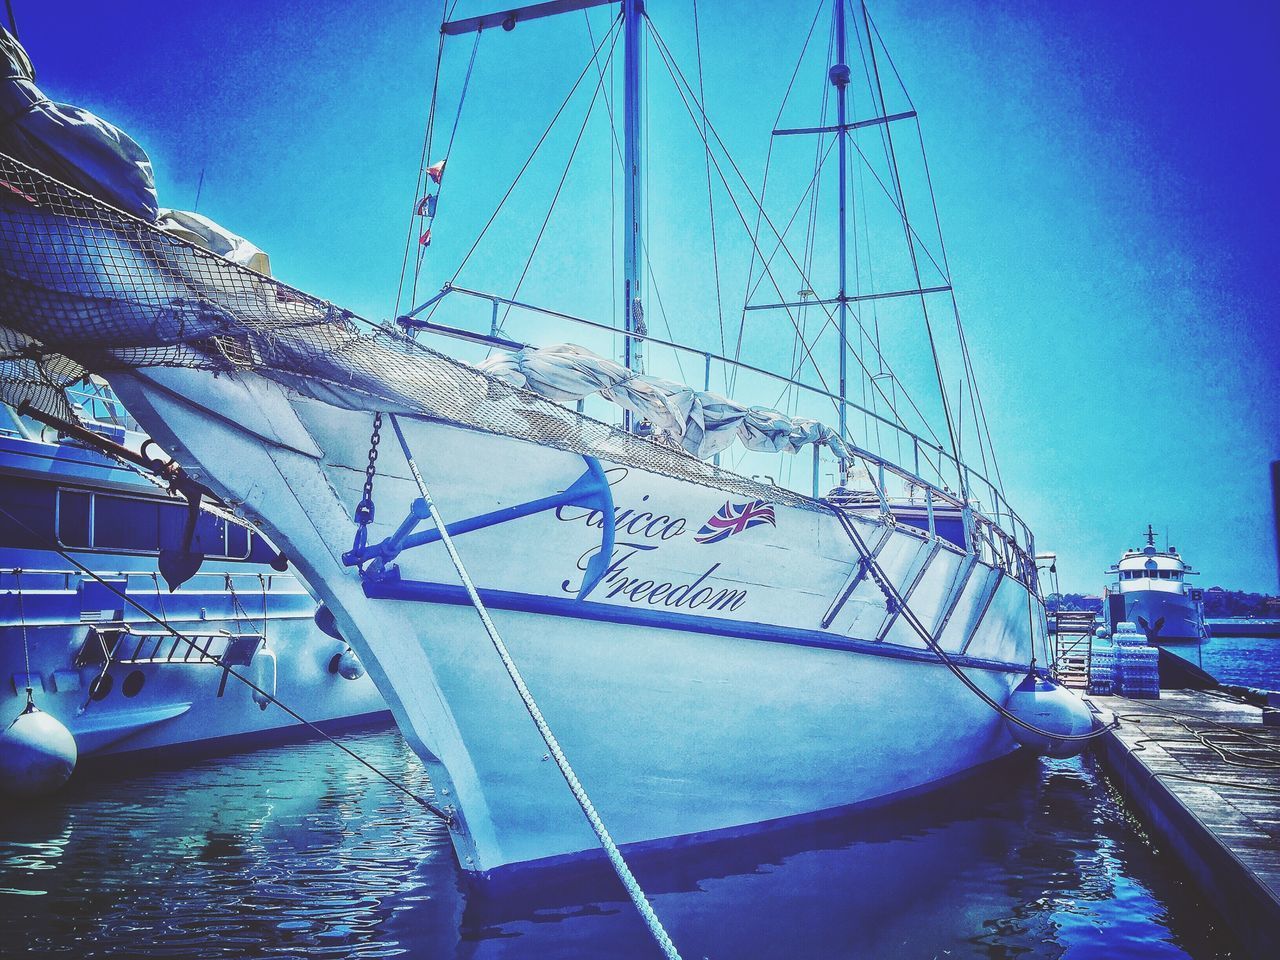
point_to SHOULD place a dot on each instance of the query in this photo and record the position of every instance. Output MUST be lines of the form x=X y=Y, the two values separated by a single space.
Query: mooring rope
x=618 y=862
x=22 y=619
x=53 y=545
x=894 y=596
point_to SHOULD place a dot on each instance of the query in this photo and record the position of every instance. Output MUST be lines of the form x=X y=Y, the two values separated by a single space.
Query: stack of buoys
x=37 y=754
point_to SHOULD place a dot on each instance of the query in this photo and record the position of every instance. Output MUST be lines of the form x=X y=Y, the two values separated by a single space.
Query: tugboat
x=1151 y=590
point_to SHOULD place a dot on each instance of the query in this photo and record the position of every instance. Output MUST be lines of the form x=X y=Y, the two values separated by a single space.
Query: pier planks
x=1217 y=809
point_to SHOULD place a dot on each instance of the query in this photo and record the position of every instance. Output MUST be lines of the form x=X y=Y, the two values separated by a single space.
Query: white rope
x=575 y=786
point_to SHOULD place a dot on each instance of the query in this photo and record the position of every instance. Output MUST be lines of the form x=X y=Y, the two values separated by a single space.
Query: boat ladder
x=123 y=645
x=1072 y=634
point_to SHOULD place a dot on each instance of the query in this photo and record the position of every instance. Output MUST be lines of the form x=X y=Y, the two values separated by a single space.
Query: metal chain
x=366 y=505
x=363 y=515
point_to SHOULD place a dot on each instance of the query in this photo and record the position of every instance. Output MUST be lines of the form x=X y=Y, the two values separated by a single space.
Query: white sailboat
x=715 y=654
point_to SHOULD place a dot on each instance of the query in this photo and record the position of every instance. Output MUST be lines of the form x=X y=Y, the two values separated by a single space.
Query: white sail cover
x=203 y=232
x=69 y=143
x=86 y=152
x=702 y=422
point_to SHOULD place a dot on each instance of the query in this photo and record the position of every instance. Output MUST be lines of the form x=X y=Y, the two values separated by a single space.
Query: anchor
x=591 y=490
x=180 y=565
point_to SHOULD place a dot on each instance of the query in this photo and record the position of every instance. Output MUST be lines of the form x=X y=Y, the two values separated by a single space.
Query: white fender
x=1054 y=709
x=262 y=671
x=37 y=754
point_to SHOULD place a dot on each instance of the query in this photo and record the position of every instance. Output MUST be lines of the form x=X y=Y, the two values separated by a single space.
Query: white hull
x=695 y=690
x=182 y=708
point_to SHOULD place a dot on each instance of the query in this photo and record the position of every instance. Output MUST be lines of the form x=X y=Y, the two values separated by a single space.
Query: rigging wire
x=614 y=288
x=560 y=186
x=422 y=164
x=613 y=233
x=764 y=189
x=681 y=85
x=711 y=202
x=790 y=392
x=979 y=409
x=537 y=146
x=915 y=266
x=805 y=197
x=811 y=228
x=421 y=252
x=57 y=548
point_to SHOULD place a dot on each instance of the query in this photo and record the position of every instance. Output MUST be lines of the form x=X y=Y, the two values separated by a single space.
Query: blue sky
x=1104 y=175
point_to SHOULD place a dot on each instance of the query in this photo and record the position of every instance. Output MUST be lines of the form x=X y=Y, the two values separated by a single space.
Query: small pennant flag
x=425 y=239
x=427 y=206
x=436 y=171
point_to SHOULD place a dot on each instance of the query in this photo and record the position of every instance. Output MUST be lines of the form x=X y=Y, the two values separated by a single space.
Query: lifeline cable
x=425 y=803
x=616 y=859
x=891 y=592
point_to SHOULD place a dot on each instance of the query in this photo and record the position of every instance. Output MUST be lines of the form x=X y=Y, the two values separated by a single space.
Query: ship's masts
x=840 y=78
x=632 y=196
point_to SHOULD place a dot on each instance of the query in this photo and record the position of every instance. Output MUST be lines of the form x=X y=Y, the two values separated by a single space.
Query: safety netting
x=85 y=287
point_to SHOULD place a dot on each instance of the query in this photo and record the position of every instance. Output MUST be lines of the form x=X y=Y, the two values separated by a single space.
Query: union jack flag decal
x=734 y=518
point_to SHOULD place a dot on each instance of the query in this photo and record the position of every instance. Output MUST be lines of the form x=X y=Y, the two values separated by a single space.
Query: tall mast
x=839 y=75
x=632 y=197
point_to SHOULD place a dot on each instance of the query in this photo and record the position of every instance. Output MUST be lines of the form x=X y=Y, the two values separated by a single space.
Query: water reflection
x=297 y=852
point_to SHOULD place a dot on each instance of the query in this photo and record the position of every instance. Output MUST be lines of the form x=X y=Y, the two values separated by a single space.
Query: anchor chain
x=364 y=509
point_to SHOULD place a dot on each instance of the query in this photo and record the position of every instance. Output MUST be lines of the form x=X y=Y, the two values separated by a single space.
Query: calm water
x=1249 y=661
x=296 y=852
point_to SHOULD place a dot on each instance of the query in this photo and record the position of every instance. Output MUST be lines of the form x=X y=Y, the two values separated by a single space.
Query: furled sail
x=203 y=232
x=701 y=422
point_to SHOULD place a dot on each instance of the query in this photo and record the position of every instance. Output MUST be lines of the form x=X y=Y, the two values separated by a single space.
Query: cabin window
x=120 y=523
x=33 y=504
x=73 y=518
x=104 y=521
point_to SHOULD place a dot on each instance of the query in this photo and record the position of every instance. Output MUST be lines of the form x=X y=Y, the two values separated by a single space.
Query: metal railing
x=1000 y=534
x=71 y=578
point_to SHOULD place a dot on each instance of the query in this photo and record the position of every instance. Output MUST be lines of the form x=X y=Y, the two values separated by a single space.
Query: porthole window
x=100 y=687
x=132 y=684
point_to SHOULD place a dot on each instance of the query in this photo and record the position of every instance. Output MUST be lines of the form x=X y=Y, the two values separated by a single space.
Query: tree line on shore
x=1218 y=603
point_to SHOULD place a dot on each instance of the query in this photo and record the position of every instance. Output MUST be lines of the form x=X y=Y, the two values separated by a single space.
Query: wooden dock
x=1203 y=773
